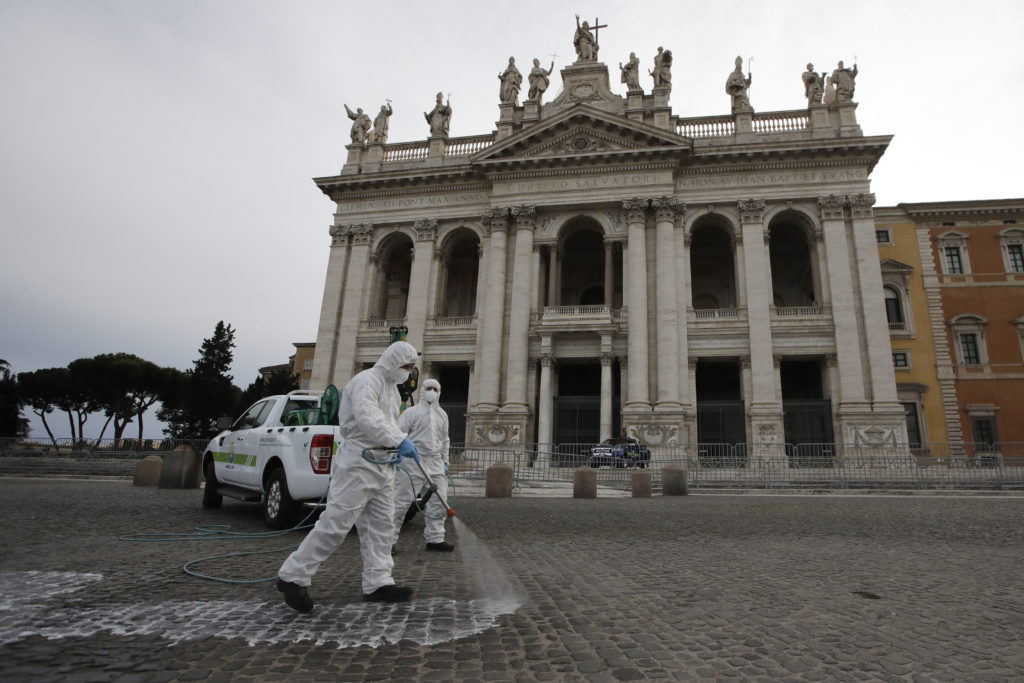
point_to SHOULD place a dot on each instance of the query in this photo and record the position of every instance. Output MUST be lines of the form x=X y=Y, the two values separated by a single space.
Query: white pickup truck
x=277 y=453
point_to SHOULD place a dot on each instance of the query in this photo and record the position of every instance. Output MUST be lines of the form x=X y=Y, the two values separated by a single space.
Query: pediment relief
x=582 y=130
x=579 y=141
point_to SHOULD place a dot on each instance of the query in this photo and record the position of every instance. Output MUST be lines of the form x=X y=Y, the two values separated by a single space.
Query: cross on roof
x=597 y=25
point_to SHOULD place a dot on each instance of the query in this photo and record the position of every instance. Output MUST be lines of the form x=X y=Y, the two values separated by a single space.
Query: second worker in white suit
x=427 y=426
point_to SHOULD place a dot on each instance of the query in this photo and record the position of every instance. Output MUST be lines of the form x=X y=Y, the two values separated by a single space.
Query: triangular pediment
x=889 y=265
x=581 y=132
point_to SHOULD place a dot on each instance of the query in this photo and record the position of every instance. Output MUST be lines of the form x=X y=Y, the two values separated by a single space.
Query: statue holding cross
x=585 y=42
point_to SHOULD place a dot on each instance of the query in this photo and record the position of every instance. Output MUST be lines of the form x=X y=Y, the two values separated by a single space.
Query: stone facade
x=600 y=251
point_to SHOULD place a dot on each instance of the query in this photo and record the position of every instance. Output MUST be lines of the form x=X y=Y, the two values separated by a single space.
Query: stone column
x=519 y=312
x=544 y=403
x=481 y=300
x=362 y=236
x=759 y=299
x=872 y=304
x=419 y=281
x=493 y=314
x=844 y=306
x=609 y=272
x=667 y=333
x=330 y=309
x=683 y=301
x=552 y=275
x=637 y=341
x=765 y=408
x=535 y=281
x=606 y=394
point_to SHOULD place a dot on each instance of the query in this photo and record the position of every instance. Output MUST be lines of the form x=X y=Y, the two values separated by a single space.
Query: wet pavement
x=704 y=587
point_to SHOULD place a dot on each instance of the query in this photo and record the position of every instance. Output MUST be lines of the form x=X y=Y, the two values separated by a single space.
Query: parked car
x=616 y=452
x=278 y=453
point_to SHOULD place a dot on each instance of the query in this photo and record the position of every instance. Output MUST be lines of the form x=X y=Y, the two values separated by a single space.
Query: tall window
x=969 y=348
x=893 y=309
x=954 y=262
x=1015 y=254
x=913 y=424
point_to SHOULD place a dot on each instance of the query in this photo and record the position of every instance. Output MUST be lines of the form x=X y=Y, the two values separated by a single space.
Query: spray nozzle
x=451 y=512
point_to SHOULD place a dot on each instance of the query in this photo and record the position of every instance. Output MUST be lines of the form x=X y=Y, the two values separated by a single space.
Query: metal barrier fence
x=709 y=465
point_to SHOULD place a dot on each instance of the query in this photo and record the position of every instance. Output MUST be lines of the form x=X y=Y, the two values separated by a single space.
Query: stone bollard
x=181 y=469
x=500 y=478
x=584 y=483
x=147 y=471
x=641 y=484
x=673 y=481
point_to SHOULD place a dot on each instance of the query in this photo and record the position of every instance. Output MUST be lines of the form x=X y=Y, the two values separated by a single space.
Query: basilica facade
x=598 y=266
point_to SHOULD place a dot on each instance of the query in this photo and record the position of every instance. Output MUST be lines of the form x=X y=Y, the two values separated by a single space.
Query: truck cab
x=277 y=453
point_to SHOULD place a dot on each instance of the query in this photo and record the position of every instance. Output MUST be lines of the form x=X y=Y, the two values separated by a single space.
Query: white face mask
x=399 y=376
x=429 y=396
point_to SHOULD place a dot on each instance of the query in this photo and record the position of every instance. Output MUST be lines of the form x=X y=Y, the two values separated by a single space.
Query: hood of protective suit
x=430 y=396
x=394 y=357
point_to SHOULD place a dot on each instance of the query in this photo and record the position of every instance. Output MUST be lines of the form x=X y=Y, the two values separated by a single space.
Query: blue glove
x=407 y=449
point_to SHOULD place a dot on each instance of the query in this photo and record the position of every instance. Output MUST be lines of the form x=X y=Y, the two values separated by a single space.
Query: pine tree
x=205 y=392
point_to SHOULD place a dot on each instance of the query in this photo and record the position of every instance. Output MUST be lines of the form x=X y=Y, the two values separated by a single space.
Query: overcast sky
x=157 y=156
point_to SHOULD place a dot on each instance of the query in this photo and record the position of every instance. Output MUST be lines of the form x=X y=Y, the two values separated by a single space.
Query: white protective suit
x=360 y=492
x=427 y=425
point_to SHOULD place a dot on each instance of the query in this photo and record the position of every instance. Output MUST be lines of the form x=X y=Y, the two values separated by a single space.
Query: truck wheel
x=278 y=507
x=211 y=499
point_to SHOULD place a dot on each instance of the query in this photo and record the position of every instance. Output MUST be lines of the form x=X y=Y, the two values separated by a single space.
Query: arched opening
x=893 y=308
x=395 y=267
x=583 y=254
x=712 y=267
x=460 y=264
x=792 y=269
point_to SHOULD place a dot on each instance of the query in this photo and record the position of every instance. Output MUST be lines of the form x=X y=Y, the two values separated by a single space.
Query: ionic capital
x=635 y=209
x=361 y=233
x=666 y=209
x=495 y=220
x=524 y=216
x=546 y=360
x=831 y=207
x=339 y=235
x=425 y=229
x=606 y=360
x=751 y=210
x=860 y=205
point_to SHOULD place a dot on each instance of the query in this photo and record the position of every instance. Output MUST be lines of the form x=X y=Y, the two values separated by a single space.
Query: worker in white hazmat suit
x=427 y=426
x=361 y=493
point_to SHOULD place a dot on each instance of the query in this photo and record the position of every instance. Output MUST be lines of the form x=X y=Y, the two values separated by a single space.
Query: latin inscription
x=584 y=183
x=762 y=179
x=420 y=202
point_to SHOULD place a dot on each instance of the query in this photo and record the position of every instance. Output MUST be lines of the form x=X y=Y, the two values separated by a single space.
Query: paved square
x=703 y=587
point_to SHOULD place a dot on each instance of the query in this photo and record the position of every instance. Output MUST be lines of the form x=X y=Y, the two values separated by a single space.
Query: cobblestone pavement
x=615 y=589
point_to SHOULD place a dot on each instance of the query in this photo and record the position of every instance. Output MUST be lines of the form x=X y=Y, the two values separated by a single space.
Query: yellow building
x=916 y=342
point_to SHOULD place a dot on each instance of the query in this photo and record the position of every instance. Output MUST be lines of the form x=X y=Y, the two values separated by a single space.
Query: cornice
x=993 y=207
x=481 y=185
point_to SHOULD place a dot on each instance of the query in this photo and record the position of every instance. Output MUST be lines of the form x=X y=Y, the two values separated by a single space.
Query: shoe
x=391 y=593
x=295 y=596
x=441 y=547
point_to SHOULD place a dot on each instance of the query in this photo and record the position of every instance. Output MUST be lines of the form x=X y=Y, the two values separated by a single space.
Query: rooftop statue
x=439 y=118
x=662 y=73
x=360 y=126
x=843 y=79
x=511 y=80
x=631 y=72
x=380 y=124
x=585 y=42
x=539 y=80
x=736 y=86
x=830 y=91
x=814 y=85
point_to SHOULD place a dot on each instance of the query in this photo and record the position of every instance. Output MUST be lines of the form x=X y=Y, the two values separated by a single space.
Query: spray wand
x=433 y=490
